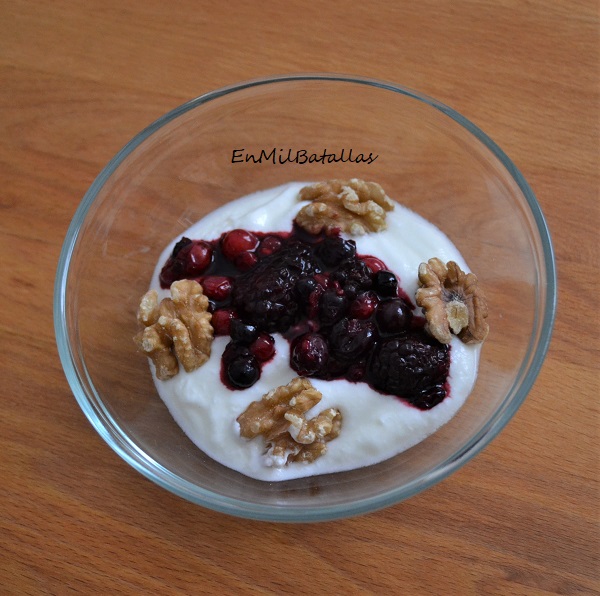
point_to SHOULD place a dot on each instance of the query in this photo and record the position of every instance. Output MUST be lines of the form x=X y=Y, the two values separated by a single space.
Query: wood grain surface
x=77 y=81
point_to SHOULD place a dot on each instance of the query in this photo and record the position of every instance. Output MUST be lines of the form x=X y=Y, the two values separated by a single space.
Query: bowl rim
x=101 y=419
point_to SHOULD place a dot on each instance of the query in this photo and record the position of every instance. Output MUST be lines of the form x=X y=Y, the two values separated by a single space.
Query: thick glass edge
x=141 y=462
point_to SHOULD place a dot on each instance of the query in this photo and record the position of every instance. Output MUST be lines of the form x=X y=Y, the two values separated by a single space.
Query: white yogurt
x=375 y=427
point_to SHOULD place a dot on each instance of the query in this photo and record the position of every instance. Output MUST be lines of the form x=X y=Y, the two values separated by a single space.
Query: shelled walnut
x=353 y=206
x=176 y=330
x=452 y=302
x=280 y=418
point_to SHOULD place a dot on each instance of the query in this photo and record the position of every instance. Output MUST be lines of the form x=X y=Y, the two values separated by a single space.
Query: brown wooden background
x=77 y=80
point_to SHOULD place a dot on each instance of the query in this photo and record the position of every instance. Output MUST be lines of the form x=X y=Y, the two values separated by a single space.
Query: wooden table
x=79 y=79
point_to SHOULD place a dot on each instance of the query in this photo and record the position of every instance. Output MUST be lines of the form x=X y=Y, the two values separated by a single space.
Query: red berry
x=363 y=305
x=221 y=321
x=198 y=258
x=216 y=287
x=237 y=242
x=263 y=347
x=268 y=246
x=314 y=299
x=309 y=354
x=373 y=263
x=322 y=279
x=246 y=260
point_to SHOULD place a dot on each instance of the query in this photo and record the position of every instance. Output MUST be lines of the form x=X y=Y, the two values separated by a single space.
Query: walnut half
x=353 y=206
x=177 y=329
x=452 y=302
x=280 y=418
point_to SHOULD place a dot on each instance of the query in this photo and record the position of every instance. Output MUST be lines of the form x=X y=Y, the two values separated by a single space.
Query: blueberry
x=332 y=307
x=243 y=371
x=243 y=333
x=392 y=316
x=179 y=245
x=305 y=287
x=351 y=290
x=385 y=283
x=333 y=250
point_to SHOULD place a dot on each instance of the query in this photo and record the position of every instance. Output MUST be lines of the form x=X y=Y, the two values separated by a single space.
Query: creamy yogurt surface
x=375 y=426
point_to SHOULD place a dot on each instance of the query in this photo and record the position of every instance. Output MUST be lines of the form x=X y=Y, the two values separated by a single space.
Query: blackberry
x=332 y=307
x=305 y=286
x=353 y=274
x=265 y=295
x=351 y=338
x=412 y=367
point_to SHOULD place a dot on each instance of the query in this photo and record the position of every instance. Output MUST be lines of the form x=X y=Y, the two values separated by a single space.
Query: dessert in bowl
x=177 y=186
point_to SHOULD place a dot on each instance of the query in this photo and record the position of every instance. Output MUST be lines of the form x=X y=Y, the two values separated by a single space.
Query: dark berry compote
x=344 y=315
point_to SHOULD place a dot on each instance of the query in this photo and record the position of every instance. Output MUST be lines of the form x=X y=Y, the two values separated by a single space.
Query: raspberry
x=412 y=367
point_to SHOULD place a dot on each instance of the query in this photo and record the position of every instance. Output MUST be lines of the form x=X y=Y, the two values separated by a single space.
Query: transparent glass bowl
x=183 y=166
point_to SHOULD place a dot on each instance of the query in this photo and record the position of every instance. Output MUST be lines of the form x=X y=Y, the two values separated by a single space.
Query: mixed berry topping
x=345 y=315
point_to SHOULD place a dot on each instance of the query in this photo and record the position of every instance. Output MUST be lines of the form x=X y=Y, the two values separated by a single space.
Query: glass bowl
x=191 y=161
